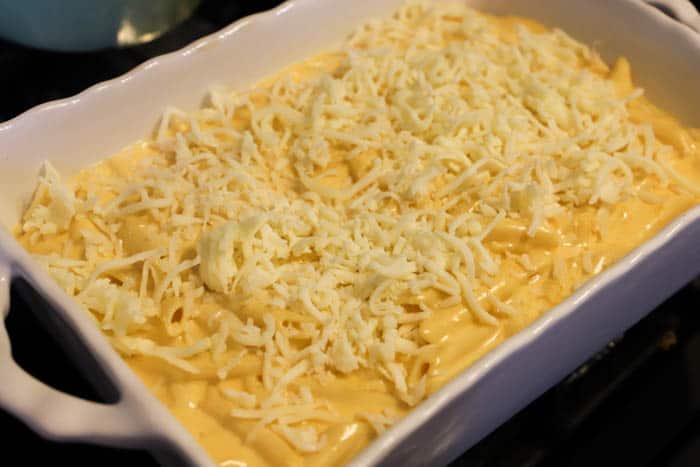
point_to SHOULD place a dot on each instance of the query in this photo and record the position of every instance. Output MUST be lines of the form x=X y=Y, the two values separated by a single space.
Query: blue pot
x=82 y=25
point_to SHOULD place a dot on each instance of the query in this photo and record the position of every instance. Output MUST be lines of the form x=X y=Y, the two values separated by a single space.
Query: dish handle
x=682 y=10
x=52 y=413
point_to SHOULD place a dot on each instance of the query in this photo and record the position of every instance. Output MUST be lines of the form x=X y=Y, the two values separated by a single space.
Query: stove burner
x=635 y=402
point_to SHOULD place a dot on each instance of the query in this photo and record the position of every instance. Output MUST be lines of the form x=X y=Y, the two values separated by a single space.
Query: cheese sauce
x=586 y=241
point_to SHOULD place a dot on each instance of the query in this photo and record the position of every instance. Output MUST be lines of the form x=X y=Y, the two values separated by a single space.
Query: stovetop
x=636 y=402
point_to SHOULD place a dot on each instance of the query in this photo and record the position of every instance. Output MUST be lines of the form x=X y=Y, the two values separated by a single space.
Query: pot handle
x=681 y=10
x=52 y=413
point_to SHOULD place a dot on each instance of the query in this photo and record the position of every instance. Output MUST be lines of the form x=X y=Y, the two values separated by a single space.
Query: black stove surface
x=636 y=402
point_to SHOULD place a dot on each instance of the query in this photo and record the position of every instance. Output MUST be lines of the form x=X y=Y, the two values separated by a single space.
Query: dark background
x=636 y=403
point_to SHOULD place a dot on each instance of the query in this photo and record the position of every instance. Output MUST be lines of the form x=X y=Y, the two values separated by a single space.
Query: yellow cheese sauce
x=531 y=287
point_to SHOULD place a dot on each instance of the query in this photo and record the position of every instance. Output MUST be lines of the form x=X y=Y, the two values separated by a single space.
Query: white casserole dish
x=79 y=131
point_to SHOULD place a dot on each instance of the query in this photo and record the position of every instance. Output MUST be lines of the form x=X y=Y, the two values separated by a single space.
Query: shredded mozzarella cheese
x=331 y=201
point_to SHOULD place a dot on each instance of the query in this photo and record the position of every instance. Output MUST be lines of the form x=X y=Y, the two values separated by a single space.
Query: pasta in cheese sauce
x=294 y=267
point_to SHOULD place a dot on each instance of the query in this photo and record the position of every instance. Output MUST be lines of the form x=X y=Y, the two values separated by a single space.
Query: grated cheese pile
x=304 y=223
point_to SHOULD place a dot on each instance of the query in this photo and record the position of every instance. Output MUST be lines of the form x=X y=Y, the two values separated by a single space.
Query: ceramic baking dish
x=81 y=130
